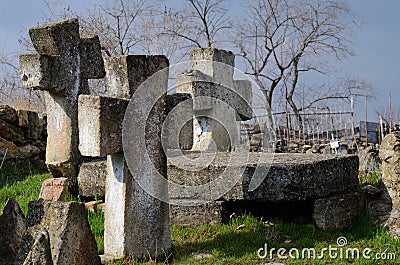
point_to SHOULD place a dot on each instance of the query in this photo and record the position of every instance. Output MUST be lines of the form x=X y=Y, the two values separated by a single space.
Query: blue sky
x=376 y=45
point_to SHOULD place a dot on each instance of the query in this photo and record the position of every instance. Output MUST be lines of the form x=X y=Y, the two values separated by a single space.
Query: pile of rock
x=52 y=233
x=22 y=134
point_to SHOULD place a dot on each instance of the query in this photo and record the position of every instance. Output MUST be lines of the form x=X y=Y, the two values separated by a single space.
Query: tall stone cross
x=62 y=67
x=136 y=223
x=218 y=100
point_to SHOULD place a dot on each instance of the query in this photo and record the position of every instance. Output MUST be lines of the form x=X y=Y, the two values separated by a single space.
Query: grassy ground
x=236 y=242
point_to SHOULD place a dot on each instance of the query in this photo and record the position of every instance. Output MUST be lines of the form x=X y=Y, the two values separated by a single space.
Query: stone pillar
x=136 y=224
x=64 y=63
x=218 y=99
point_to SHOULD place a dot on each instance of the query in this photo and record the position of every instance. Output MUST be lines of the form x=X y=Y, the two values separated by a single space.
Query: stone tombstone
x=218 y=100
x=61 y=68
x=136 y=224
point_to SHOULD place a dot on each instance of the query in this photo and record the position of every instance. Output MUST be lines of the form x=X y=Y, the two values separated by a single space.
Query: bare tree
x=281 y=40
x=199 y=22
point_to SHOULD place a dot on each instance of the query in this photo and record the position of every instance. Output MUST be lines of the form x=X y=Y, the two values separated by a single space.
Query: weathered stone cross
x=62 y=67
x=136 y=224
x=218 y=100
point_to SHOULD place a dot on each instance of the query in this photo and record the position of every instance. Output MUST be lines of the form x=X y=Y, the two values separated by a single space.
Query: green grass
x=371 y=178
x=225 y=242
x=21 y=181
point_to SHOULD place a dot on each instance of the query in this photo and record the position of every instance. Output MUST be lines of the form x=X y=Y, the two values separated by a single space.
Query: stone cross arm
x=64 y=58
x=100 y=125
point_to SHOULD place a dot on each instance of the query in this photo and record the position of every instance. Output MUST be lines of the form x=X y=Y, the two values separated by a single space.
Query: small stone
x=201 y=255
x=54 y=189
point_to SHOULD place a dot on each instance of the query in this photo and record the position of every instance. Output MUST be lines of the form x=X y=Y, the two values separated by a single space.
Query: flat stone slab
x=286 y=177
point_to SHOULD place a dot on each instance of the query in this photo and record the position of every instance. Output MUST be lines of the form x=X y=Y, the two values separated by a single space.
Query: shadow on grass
x=228 y=242
x=18 y=169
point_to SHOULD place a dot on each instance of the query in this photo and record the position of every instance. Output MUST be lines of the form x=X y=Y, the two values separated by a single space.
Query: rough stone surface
x=12 y=228
x=40 y=252
x=8 y=149
x=8 y=114
x=178 y=125
x=369 y=160
x=293 y=177
x=337 y=212
x=71 y=240
x=92 y=178
x=11 y=133
x=389 y=153
x=100 y=125
x=29 y=150
x=32 y=122
x=126 y=73
x=54 y=189
x=197 y=215
x=378 y=207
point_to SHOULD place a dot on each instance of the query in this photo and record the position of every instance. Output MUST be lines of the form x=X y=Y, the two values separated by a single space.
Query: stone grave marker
x=61 y=68
x=136 y=224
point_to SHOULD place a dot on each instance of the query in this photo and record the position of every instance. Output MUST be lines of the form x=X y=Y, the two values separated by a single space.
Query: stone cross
x=136 y=224
x=218 y=100
x=62 y=67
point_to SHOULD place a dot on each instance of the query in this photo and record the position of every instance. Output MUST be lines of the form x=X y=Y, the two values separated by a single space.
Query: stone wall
x=22 y=134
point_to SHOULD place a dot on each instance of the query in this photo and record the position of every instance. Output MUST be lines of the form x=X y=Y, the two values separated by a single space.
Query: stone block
x=39 y=71
x=55 y=38
x=126 y=73
x=294 y=177
x=11 y=133
x=215 y=63
x=71 y=240
x=197 y=215
x=32 y=124
x=8 y=149
x=28 y=150
x=100 y=125
x=12 y=228
x=92 y=64
x=177 y=130
x=8 y=114
x=92 y=178
x=54 y=189
x=241 y=99
x=337 y=212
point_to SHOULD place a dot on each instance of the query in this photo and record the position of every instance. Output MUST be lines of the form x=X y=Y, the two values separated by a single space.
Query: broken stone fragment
x=54 y=189
x=71 y=240
x=12 y=228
